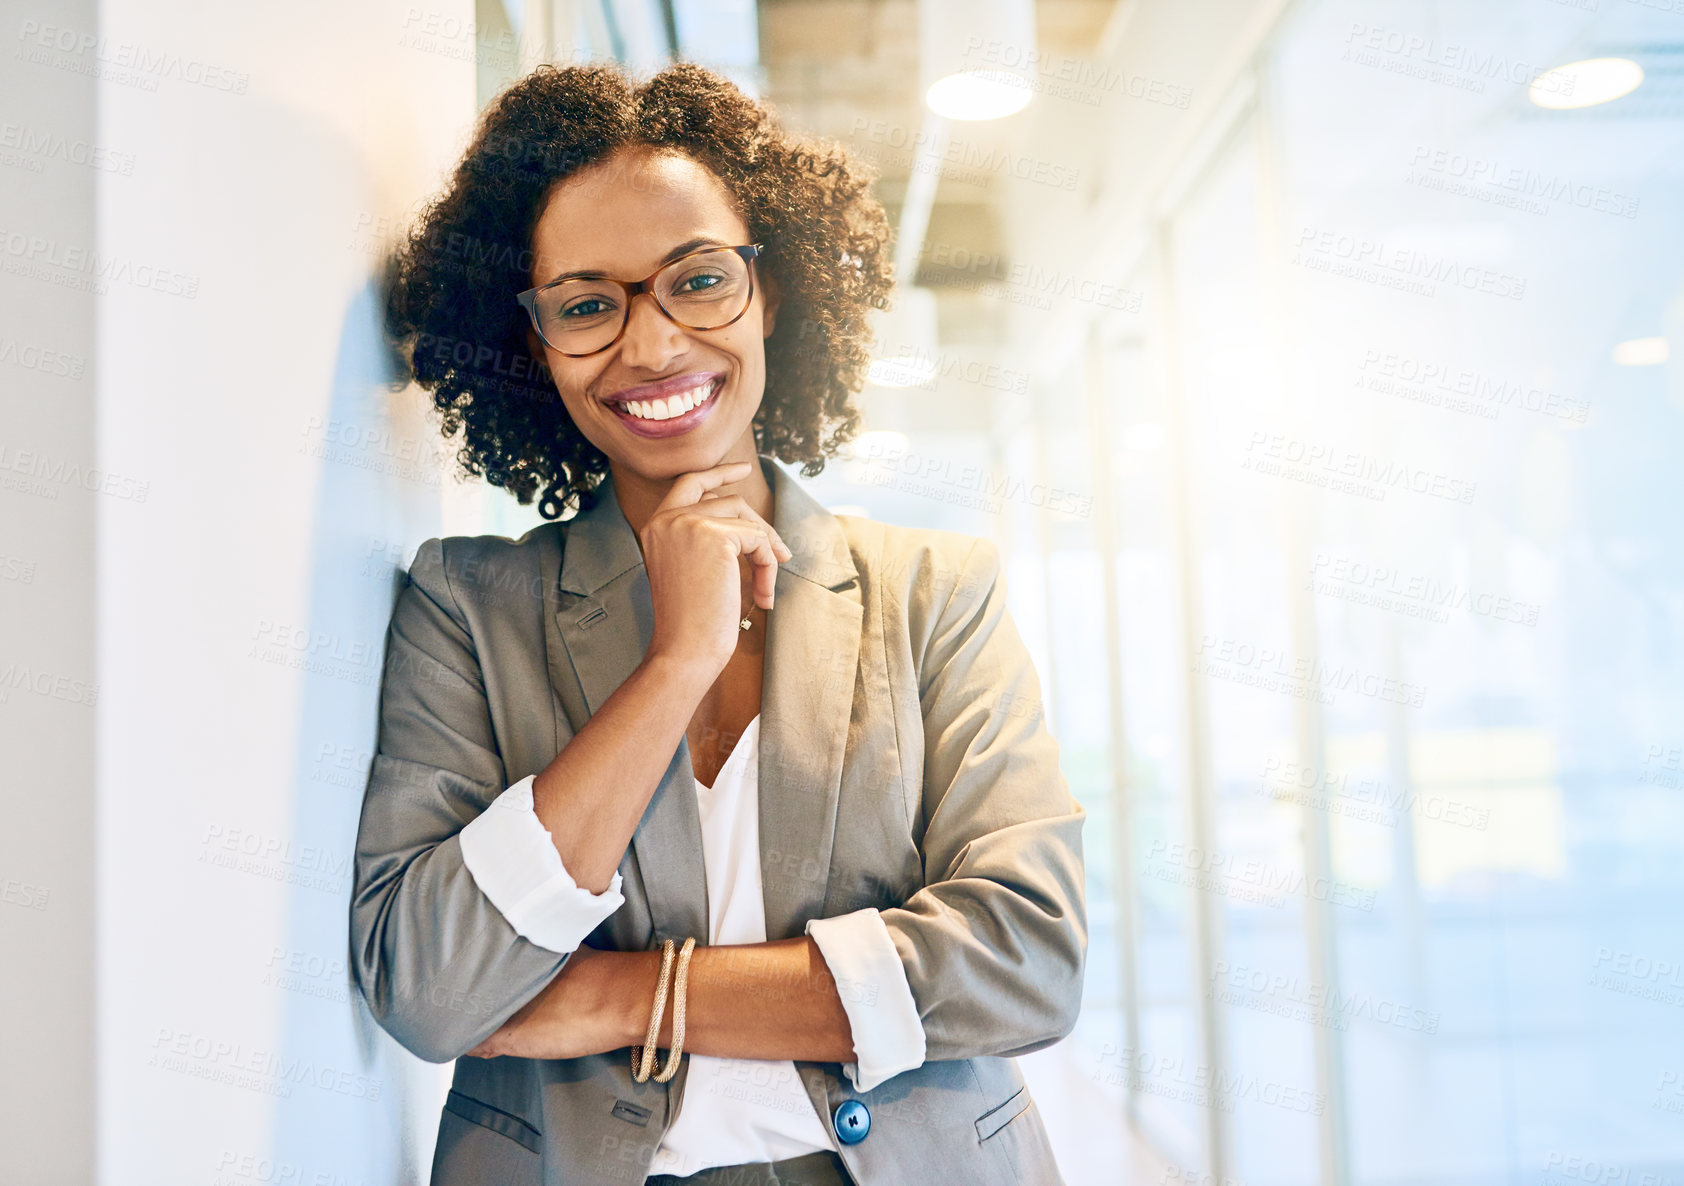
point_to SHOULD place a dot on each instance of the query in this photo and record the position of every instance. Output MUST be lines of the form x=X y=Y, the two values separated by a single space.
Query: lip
x=677 y=425
x=662 y=388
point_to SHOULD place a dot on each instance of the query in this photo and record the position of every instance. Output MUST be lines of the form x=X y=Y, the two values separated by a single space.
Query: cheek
x=750 y=349
x=571 y=380
x=571 y=383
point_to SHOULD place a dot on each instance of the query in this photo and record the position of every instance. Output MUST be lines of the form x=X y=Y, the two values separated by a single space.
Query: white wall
x=49 y=695
x=242 y=606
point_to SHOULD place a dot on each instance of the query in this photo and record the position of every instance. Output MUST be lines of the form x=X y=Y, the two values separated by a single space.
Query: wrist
x=632 y=997
x=692 y=673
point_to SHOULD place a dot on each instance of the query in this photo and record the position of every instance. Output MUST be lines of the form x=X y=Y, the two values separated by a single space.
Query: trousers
x=822 y=1168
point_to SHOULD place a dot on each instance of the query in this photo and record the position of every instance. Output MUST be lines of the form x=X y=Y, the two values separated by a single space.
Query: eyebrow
x=683 y=248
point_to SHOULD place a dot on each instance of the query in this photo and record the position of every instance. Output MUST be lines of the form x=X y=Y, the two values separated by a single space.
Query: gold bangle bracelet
x=643 y=1057
x=677 y=1050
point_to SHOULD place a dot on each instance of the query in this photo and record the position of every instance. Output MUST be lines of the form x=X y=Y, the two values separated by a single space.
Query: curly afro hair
x=450 y=283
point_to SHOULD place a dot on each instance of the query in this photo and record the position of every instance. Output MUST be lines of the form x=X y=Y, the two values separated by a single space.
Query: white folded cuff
x=871 y=980
x=513 y=860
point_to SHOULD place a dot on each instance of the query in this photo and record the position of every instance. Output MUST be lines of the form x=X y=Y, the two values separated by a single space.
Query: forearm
x=593 y=793
x=751 y=1000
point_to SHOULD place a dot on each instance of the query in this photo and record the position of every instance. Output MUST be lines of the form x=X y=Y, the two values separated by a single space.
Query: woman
x=703 y=707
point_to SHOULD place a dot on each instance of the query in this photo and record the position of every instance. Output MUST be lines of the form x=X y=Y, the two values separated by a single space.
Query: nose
x=652 y=339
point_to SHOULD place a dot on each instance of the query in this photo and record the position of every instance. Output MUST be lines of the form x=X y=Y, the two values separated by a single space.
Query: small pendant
x=745 y=623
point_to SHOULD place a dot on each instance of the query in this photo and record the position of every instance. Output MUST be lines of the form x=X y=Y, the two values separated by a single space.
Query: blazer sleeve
x=995 y=942
x=438 y=963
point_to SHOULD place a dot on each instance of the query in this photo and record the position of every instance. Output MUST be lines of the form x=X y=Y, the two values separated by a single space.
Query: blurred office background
x=1316 y=363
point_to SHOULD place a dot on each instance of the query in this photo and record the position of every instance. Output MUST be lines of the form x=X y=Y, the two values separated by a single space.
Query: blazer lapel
x=604 y=612
x=806 y=700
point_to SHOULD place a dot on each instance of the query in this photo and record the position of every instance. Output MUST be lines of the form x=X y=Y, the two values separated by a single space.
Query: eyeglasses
x=707 y=289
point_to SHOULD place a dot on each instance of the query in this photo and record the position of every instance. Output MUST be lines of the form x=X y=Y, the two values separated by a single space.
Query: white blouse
x=734 y=1110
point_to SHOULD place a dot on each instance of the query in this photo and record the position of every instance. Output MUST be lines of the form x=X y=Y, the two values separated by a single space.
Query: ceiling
x=1002 y=253
x=848 y=69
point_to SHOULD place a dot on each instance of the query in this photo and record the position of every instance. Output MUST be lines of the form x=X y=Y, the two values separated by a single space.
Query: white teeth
x=673 y=405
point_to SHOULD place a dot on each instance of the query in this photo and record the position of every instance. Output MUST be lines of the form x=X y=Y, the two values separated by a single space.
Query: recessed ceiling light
x=977 y=59
x=978 y=94
x=1641 y=352
x=1586 y=83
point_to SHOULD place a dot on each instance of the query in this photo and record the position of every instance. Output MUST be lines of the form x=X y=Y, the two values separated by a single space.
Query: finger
x=735 y=506
x=688 y=488
x=752 y=541
x=731 y=504
x=765 y=583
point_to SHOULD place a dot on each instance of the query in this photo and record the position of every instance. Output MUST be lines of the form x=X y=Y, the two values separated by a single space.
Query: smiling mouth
x=671 y=406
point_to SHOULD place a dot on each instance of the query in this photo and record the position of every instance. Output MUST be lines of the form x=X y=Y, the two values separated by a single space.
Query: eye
x=588 y=307
x=707 y=281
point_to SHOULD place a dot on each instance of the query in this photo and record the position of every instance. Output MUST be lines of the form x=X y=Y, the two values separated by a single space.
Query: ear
x=772 y=295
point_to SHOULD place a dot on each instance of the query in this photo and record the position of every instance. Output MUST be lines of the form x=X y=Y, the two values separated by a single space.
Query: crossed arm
x=756 y=1000
x=770 y=1000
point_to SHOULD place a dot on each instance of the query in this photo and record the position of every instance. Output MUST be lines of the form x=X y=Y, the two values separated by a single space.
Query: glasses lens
x=704 y=291
x=580 y=316
x=701 y=291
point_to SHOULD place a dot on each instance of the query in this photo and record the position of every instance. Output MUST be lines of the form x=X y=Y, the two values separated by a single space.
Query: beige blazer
x=905 y=764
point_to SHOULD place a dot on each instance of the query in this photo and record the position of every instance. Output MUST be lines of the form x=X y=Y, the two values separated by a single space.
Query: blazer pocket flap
x=996 y=1118
x=497 y=1120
